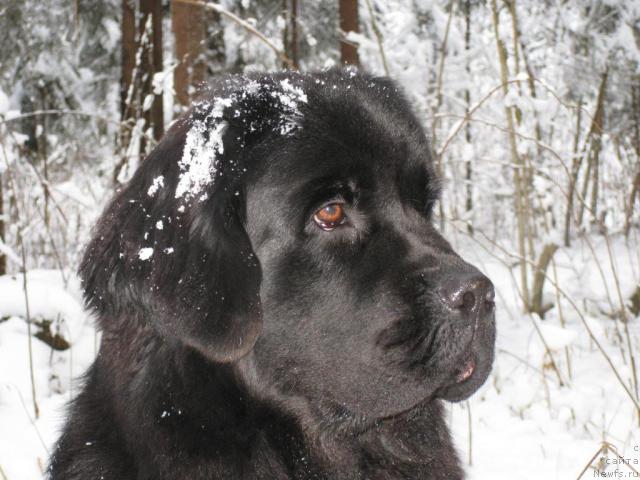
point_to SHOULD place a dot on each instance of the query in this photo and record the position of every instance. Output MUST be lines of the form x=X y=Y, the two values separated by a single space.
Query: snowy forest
x=532 y=109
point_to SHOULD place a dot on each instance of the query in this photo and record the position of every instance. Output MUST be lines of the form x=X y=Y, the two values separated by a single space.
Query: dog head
x=285 y=222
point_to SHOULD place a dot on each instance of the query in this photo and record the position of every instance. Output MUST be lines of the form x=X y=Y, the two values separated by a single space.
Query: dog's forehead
x=352 y=125
x=368 y=116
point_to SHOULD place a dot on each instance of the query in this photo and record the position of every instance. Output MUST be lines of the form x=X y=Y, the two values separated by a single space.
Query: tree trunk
x=141 y=59
x=151 y=16
x=573 y=178
x=129 y=48
x=539 y=277
x=41 y=140
x=594 y=140
x=436 y=110
x=349 y=23
x=286 y=44
x=467 y=133
x=520 y=201
x=526 y=171
x=585 y=189
x=597 y=147
x=632 y=200
x=290 y=33
x=187 y=22
x=635 y=188
x=294 y=54
x=3 y=239
x=128 y=101
x=519 y=48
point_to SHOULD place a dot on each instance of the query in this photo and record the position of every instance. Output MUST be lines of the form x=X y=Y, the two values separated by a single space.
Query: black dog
x=274 y=301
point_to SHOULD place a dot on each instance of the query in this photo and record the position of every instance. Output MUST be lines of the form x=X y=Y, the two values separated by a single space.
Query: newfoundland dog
x=274 y=300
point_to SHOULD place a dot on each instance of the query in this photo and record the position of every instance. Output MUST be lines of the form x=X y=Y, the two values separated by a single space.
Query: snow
x=24 y=452
x=291 y=95
x=112 y=28
x=524 y=424
x=290 y=98
x=156 y=184
x=204 y=142
x=557 y=337
x=199 y=161
x=147 y=102
x=145 y=253
x=46 y=297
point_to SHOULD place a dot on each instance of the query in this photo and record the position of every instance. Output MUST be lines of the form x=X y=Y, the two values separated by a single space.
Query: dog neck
x=348 y=445
x=223 y=413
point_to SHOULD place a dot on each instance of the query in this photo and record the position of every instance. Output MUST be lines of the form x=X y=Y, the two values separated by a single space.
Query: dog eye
x=330 y=216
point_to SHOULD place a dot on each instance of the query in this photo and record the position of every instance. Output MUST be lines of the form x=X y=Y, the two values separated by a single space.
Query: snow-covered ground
x=523 y=424
x=26 y=441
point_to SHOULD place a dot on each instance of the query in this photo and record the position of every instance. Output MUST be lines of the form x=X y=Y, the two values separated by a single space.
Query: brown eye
x=330 y=216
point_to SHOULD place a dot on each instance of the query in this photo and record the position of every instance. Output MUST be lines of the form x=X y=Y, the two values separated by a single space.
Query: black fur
x=262 y=346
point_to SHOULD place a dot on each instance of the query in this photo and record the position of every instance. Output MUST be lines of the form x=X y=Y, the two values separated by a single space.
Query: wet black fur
x=263 y=347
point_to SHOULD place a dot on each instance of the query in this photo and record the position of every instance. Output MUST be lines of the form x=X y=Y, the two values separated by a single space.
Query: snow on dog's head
x=204 y=141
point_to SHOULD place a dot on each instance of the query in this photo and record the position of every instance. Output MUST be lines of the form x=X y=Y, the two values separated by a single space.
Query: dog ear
x=171 y=251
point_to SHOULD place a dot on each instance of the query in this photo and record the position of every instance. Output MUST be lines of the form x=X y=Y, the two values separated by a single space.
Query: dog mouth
x=441 y=369
x=466 y=371
x=471 y=373
x=473 y=366
x=458 y=386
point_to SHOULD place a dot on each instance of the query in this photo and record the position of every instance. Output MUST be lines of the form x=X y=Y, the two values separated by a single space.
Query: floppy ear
x=171 y=251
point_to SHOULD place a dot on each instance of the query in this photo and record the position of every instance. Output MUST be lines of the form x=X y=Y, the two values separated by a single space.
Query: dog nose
x=467 y=292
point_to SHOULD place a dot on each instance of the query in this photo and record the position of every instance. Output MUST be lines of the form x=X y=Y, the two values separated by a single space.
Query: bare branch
x=378 y=34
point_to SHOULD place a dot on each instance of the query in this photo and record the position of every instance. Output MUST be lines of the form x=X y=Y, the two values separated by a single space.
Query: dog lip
x=466 y=371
